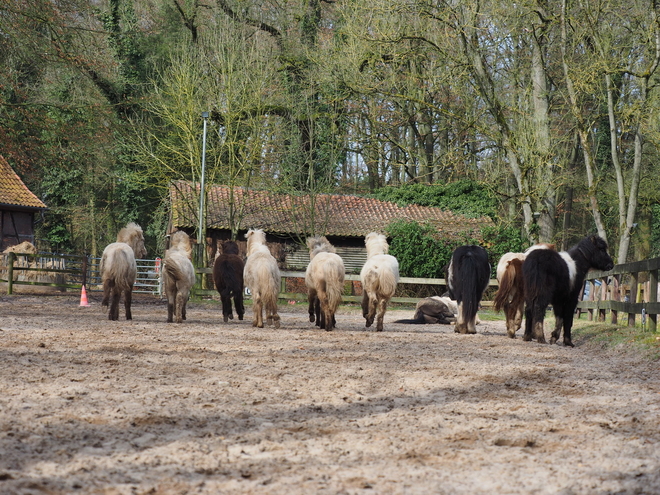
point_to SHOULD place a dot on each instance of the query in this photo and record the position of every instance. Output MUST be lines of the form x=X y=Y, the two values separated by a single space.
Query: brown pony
x=510 y=295
x=325 y=280
x=262 y=277
x=178 y=276
x=119 y=269
x=228 y=278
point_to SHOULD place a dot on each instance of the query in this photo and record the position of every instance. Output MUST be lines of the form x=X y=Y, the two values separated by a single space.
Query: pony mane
x=319 y=244
x=376 y=244
x=181 y=241
x=132 y=235
x=255 y=239
x=230 y=247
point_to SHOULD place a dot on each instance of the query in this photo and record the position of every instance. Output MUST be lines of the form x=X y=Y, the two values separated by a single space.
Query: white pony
x=325 y=280
x=262 y=277
x=379 y=277
x=119 y=269
x=178 y=276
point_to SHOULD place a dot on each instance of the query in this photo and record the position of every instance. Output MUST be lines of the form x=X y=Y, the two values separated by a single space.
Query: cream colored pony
x=379 y=277
x=119 y=269
x=262 y=276
x=325 y=280
x=178 y=276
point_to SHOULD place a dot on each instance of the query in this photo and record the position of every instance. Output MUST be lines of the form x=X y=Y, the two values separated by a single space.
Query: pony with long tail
x=510 y=295
x=262 y=277
x=379 y=277
x=178 y=276
x=228 y=278
x=467 y=279
x=324 y=278
x=119 y=269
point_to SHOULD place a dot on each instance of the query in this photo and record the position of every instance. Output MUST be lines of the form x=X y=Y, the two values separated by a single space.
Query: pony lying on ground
x=325 y=281
x=119 y=269
x=467 y=279
x=262 y=277
x=434 y=309
x=228 y=278
x=379 y=277
x=178 y=276
x=556 y=278
x=510 y=295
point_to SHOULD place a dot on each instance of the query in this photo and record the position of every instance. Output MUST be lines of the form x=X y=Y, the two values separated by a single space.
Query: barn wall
x=15 y=227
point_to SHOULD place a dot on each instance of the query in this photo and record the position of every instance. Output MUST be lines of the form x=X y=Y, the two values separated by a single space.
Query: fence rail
x=629 y=288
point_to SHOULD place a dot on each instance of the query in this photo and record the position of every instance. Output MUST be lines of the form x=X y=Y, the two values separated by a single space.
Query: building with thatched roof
x=289 y=219
x=18 y=206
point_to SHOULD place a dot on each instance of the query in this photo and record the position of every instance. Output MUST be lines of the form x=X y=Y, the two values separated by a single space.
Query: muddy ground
x=91 y=406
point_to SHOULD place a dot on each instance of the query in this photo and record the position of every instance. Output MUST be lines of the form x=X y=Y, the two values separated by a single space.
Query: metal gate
x=148 y=279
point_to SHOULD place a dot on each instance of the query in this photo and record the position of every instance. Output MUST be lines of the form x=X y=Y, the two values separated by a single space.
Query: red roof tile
x=334 y=214
x=13 y=192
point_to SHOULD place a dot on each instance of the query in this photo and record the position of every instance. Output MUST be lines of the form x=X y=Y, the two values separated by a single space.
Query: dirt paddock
x=144 y=407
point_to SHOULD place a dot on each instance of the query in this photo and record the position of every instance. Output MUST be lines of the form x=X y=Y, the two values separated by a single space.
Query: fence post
x=85 y=264
x=633 y=296
x=10 y=273
x=616 y=296
x=653 y=297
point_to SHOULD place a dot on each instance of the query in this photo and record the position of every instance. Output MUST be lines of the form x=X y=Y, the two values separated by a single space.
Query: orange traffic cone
x=83 y=297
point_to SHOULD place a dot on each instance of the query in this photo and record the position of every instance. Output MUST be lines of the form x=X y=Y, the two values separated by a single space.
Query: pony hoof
x=311 y=318
x=541 y=340
x=569 y=343
x=240 y=317
x=225 y=319
x=553 y=341
x=527 y=338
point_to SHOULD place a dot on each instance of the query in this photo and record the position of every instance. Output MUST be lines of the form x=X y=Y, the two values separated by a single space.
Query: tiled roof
x=12 y=190
x=335 y=214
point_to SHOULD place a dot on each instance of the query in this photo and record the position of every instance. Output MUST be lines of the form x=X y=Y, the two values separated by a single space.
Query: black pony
x=467 y=279
x=556 y=278
x=228 y=278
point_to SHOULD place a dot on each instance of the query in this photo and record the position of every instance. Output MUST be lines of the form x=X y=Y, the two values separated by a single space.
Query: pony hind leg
x=128 y=299
x=226 y=307
x=464 y=325
x=311 y=299
x=382 y=307
x=257 y=307
x=238 y=304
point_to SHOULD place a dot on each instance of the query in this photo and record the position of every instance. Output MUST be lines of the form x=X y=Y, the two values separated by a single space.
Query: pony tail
x=510 y=285
x=470 y=286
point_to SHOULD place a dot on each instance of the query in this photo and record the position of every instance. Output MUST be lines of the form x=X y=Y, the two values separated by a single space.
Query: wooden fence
x=630 y=289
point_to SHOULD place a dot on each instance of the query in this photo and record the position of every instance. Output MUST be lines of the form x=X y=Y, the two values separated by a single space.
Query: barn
x=18 y=206
x=289 y=219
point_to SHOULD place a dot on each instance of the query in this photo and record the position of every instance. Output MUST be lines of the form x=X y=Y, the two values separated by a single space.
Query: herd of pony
x=528 y=282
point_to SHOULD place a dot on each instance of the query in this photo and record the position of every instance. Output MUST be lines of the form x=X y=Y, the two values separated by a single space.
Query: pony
x=467 y=279
x=228 y=278
x=379 y=277
x=434 y=309
x=262 y=277
x=324 y=278
x=178 y=276
x=510 y=295
x=119 y=269
x=556 y=278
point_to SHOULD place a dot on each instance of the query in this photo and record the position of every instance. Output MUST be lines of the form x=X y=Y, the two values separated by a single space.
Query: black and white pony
x=556 y=278
x=467 y=279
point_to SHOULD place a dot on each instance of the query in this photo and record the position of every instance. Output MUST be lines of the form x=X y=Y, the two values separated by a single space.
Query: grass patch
x=608 y=335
